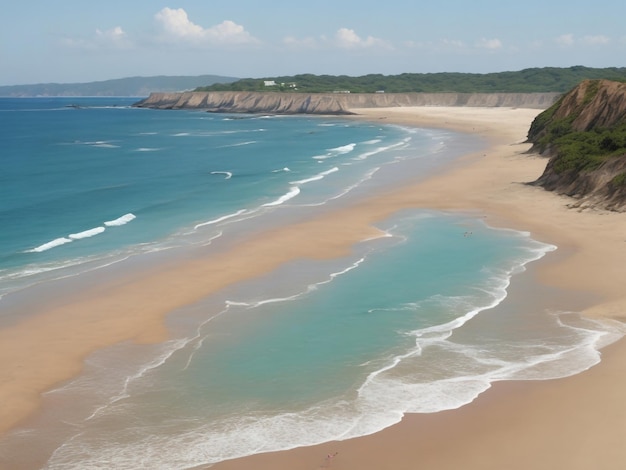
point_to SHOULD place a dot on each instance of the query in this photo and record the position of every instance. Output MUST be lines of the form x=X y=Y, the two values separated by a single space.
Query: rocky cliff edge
x=336 y=103
x=584 y=135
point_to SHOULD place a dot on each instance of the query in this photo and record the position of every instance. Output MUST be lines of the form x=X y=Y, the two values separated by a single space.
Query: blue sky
x=80 y=41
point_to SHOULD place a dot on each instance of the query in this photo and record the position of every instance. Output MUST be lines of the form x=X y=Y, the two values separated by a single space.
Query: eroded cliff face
x=336 y=103
x=246 y=102
x=591 y=105
x=589 y=189
x=584 y=135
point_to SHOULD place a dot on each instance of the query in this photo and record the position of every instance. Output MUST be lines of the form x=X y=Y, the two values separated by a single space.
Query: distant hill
x=534 y=80
x=132 y=86
x=584 y=134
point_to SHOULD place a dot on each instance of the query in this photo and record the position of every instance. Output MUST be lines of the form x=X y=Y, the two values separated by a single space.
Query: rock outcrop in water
x=335 y=103
x=584 y=134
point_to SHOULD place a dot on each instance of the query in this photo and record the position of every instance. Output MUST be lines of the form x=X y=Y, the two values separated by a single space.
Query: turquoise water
x=313 y=352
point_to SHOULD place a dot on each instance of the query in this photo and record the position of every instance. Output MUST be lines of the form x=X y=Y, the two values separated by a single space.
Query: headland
x=335 y=103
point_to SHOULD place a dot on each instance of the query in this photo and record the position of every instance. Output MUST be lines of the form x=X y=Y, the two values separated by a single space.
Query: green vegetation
x=549 y=79
x=577 y=150
x=619 y=180
x=585 y=151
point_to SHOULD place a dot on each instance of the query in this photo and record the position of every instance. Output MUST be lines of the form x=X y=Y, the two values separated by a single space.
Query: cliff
x=335 y=103
x=584 y=135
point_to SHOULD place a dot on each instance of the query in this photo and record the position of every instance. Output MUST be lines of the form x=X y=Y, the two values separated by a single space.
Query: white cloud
x=348 y=39
x=588 y=40
x=595 y=40
x=491 y=44
x=114 y=38
x=176 y=25
x=344 y=38
x=565 y=40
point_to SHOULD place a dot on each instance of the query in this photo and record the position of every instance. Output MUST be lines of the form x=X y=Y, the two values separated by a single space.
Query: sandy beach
x=577 y=422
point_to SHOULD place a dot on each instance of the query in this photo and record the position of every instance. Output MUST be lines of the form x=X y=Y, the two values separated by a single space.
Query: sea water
x=312 y=352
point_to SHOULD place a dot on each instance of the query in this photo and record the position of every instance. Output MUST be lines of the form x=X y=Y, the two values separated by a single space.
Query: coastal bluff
x=584 y=135
x=335 y=103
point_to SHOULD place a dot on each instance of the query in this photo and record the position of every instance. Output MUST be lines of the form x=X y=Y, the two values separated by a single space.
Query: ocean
x=318 y=350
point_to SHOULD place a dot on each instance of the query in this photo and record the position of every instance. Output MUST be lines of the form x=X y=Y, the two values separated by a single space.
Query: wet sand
x=512 y=422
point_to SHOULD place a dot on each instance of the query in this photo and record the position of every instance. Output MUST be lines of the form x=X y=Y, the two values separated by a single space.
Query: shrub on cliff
x=584 y=133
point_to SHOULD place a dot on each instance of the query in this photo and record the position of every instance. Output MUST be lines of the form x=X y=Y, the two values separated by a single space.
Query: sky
x=74 y=41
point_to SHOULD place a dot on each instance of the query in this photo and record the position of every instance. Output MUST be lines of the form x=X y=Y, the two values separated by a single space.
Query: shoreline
x=490 y=183
x=576 y=422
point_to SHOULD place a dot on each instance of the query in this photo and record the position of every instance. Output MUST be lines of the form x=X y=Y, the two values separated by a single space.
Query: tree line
x=539 y=80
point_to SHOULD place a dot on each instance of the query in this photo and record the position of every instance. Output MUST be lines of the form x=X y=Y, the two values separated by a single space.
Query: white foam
x=121 y=220
x=343 y=149
x=240 y=144
x=317 y=177
x=397 y=145
x=369 y=175
x=220 y=219
x=51 y=244
x=334 y=152
x=102 y=144
x=228 y=174
x=293 y=192
x=87 y=233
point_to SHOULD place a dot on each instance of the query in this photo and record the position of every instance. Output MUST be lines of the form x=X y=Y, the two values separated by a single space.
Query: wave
x=343 y=149
x=220 y=219
x=239 y=144
x=228 y=174
x=147 y=149
x=92 y=232
x=51 y=244
x=400 y=144
x=281 y=169
x=347 y=190
x=293 y=192
x=102 y=144
x=63 y=240
x=317 y=177
x=121 y=220
x=334 y=152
